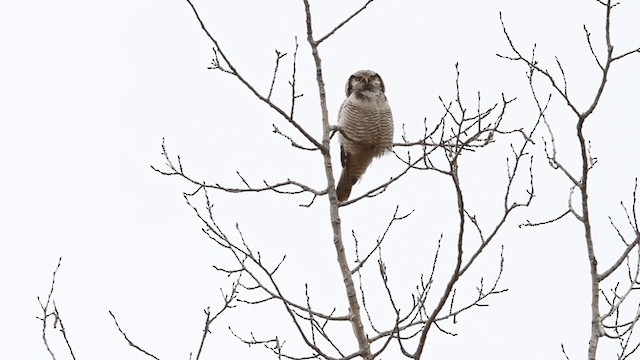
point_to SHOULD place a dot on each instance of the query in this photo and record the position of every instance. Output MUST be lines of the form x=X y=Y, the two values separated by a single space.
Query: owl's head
x=364 y=80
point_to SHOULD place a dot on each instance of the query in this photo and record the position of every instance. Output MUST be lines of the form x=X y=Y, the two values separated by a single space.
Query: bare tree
x=440 y=149
x=450 y=282
x=614 y=312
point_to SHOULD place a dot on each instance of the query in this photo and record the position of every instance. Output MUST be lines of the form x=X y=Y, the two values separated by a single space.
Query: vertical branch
x=45 y=310
x=57 y=320
x=597 y=329
x=455 y=274
x=596 y=325
x=279 y=55
x=587 y=163
x=228 y=300
x=354 y=306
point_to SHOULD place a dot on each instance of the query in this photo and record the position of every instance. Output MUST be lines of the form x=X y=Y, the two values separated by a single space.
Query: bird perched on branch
x=366 y=128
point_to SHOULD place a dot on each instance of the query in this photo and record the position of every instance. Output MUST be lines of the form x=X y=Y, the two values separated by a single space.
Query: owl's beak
x=366 y=80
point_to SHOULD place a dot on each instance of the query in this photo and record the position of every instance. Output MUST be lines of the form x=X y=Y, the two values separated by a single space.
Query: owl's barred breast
x=368 y=122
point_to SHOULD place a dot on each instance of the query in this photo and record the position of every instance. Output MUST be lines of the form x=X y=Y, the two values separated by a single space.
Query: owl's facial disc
x=364 y=80
x=364 y=83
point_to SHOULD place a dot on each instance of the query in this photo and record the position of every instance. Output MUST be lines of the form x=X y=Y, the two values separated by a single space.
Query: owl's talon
x=333 y=129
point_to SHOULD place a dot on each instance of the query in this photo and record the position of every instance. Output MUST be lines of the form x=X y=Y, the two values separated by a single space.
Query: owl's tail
x=355 y=164
x=343 y=189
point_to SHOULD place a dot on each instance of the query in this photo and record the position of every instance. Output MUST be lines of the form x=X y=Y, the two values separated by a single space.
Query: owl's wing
x=343 y=153
x=343 y=157
x=341 y=111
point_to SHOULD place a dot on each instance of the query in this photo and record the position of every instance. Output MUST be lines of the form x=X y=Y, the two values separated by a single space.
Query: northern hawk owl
x=366 y=128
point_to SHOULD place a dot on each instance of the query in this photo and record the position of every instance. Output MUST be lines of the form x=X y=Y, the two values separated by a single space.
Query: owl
x=366 y=126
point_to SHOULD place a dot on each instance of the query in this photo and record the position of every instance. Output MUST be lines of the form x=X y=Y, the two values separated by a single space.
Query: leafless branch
x=131 y=343
x=580 y=183
x=458 y=132
x=279 y=55
x=621 y=258
x=280 y=187
x=227 y=300
x=355 y=318
x=330 y=33
x=564 y=352
x=230 y=69
x=545 y=222
x=57 y=319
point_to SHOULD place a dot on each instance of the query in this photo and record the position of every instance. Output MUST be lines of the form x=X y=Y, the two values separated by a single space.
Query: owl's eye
x=357 y=78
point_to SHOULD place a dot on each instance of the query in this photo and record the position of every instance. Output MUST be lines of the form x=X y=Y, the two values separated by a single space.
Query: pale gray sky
x=90 y=89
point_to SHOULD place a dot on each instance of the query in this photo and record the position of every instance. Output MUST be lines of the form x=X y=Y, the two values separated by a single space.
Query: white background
x=89 y=89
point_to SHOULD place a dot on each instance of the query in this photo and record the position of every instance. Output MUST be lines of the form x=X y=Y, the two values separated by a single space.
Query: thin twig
x=131 y=343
